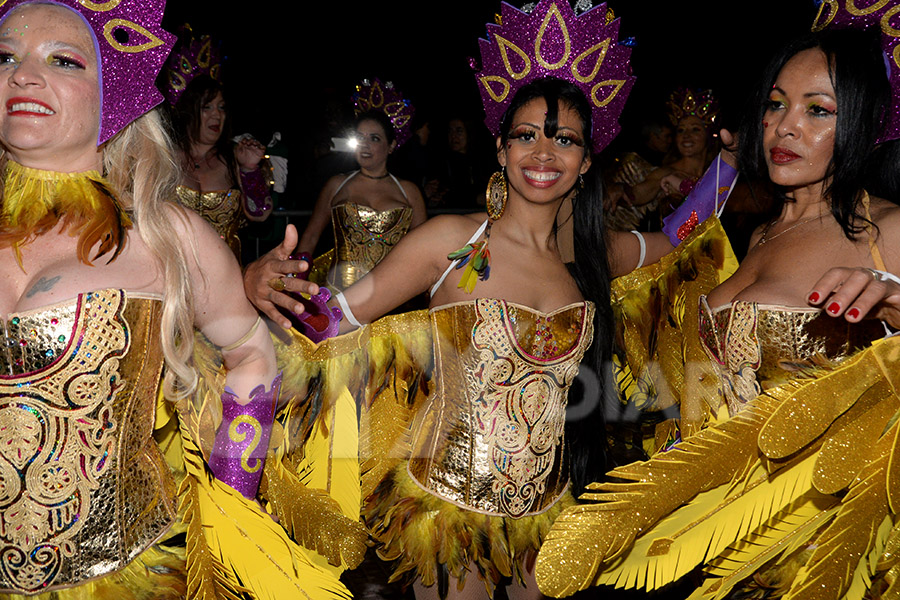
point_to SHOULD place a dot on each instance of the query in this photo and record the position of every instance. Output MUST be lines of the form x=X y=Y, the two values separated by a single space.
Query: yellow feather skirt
x=425 y=535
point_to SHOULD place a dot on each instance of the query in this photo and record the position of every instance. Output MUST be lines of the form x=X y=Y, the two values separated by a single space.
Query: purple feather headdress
x=866 y=14
x=552 y=41
x=131 y=47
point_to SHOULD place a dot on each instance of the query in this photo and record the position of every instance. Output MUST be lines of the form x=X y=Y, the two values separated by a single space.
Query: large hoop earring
x=497 y=193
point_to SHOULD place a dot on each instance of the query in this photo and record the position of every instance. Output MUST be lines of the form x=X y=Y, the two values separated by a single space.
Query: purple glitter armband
x=707 y=197
x=318 y=321
x=256 y=192
x=242 y=440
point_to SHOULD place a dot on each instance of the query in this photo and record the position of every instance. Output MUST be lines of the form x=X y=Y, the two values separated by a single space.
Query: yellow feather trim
x=35 y=201
x=425 y=534
x=250 y=552
x=656 y=309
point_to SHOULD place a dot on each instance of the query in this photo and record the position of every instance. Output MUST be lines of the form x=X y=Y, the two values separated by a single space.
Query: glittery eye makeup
x=523 y=132
x=570 y=138
x=67 y=60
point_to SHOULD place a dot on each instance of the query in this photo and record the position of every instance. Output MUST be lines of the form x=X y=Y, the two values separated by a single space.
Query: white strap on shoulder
x=643 y=244
x=344 y=182
x=402 y=191
x=477 y=235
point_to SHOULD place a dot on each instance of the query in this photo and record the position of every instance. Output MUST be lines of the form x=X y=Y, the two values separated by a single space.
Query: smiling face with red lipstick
x=543 y=164
x=212 y=120
x=800 y=122
x=51 y=99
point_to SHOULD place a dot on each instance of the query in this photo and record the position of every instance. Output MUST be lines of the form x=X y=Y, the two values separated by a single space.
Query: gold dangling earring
x=497 y=193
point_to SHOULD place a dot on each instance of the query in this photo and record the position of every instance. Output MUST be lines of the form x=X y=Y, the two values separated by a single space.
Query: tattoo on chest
x=43 y=285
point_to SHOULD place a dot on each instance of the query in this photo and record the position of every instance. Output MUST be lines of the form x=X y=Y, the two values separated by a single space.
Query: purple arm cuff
x=256 y=192
x=707 y=196
x=242 y=440
x=319 y=321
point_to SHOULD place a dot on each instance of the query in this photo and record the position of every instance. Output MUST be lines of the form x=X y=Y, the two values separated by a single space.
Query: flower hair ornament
x=552 y=41
x=685 y=102
x=384 y=97
x=131 y=48
x=866 y=14
x=194 y=56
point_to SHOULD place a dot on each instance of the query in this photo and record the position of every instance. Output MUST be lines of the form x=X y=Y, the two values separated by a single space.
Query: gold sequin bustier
x=83 y=487
x=755 y=346
x=222 y=209
x=491 y=438
x=362 y=238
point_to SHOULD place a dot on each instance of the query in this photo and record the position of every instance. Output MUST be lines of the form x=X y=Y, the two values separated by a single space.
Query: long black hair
x=857 y=71
x=586 y=434
x=186 y=120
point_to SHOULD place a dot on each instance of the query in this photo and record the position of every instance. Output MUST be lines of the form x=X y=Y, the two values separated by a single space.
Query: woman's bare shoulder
x=886 y=215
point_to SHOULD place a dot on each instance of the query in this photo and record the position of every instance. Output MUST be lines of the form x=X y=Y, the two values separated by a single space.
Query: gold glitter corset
x=362 y=238
x=221 y=208
x=757 y=346
x=83 y=487
x=490 y=438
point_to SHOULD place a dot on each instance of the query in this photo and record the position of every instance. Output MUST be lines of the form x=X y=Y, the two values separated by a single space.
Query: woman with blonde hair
x=103 y=286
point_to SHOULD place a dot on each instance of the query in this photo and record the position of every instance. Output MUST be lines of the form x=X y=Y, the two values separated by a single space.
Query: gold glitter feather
x=587 y=535
x=855 y=538
x=313 y=518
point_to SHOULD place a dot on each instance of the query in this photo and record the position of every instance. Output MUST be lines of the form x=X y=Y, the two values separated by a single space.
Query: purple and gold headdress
x=551 y=40
x=883 y=14
x=196 y=56
x=685 y=102
x=131 y=47
x=384 y=97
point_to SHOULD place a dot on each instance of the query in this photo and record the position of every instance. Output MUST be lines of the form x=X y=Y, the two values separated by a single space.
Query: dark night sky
x=423 y=47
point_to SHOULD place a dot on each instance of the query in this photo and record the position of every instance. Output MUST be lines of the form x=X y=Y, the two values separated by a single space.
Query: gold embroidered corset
x=222 y=209
x=83 y=486
x=756 y=346
x=362 y=238
x=490 y=438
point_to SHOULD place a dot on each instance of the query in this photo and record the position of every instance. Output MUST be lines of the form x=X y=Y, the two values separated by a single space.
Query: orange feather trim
x=35 y=201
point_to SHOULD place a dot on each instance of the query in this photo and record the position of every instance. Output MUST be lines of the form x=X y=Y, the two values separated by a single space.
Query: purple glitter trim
x=242 y=439
x=131 y=47
x=551 y=41
x=866 y=14
x=196 y=56
x=384 y=97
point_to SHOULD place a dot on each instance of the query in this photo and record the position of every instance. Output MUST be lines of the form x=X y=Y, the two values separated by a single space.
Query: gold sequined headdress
x=685 y=102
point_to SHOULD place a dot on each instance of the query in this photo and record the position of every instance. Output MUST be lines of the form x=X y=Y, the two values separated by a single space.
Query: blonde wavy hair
x=141 y=166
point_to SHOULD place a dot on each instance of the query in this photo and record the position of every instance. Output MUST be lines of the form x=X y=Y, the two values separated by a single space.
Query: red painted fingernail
x=853 y=313
x=833 y=308
x=814 y=297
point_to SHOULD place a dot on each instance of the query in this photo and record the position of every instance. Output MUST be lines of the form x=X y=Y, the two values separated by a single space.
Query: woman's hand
x=248 y=153
x=729 y=147
x=857 y=294
x=671 y=184
x=268 y=279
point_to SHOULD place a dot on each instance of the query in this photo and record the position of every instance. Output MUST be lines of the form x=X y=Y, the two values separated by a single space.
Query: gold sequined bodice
x=362 y=238
x=756 y=346
x=83 y=487
x=490 y=438
x=221 y=208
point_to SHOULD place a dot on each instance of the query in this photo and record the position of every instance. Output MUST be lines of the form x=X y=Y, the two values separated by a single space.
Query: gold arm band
x=244 y=338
